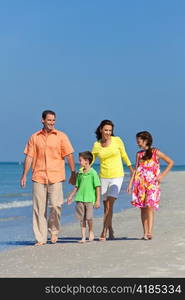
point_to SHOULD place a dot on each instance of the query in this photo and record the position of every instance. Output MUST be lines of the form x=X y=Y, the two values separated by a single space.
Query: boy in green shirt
x=87 y=191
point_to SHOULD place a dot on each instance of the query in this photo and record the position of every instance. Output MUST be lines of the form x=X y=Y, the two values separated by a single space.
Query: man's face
x=49 y=122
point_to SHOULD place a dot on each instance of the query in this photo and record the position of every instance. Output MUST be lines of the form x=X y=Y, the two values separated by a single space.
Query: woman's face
x=141 y=143
x=106 y=131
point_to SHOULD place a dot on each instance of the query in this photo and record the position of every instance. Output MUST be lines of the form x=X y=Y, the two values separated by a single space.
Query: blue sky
x=91 y=60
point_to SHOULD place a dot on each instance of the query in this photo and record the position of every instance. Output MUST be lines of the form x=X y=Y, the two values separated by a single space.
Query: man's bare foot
x=82 y=241
x=91 y=236
x=54 y=238
x=40 y=244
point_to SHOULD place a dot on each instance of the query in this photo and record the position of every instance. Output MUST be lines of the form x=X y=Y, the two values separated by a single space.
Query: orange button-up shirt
x=48 y=151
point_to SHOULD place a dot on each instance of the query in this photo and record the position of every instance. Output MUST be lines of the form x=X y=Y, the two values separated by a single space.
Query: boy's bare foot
x=149 y=236
x=40 y=244
x=145 y=238
x=54 y=238
x=82 y=241
x=91 y=236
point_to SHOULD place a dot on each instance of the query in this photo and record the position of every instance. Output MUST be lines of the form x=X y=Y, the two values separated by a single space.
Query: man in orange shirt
x=46 y=151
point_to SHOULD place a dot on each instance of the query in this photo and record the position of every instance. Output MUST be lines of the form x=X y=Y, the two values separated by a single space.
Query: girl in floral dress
x=146 y=180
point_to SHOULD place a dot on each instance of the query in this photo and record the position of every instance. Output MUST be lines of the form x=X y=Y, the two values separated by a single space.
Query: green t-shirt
x=86 y=184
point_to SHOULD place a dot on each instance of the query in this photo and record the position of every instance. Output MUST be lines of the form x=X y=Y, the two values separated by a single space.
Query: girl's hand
x=129 y=189
x=160 y=178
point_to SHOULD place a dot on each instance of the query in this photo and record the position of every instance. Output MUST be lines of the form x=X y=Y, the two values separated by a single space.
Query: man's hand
x=72 y=179
x=23 y=181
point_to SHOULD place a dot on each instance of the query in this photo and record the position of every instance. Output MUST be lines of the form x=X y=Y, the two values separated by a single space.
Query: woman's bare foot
x=111 y=234
x=91 y=236
x=54 y=238
x=102 y=238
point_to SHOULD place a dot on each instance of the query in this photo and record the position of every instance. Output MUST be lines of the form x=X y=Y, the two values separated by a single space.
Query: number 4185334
x=159 y=289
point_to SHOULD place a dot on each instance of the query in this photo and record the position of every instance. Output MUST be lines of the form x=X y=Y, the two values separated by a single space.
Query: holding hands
x=97 y=204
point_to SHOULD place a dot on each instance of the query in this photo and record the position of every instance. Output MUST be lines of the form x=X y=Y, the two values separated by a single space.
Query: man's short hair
x=87 y=155
x=47 y=112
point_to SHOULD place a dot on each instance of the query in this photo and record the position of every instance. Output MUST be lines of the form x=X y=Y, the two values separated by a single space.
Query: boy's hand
x=129 y=189
x=69 y=200
x=97 y=204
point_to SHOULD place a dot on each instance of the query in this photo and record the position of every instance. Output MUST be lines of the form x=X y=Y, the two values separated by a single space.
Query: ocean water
x=16 y=205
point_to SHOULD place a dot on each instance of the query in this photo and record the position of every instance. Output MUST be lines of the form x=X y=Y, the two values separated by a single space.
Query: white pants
x=110 y=187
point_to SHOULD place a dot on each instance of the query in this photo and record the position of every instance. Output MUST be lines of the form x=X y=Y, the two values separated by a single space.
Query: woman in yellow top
x=111 y=151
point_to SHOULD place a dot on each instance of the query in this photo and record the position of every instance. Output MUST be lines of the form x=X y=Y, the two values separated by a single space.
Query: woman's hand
x=129 y=189
x=131 y=171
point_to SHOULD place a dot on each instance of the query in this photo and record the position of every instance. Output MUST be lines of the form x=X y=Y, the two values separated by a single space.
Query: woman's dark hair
x=146 y=136
x=47 y=112
x=87 y=155
x=102 y=124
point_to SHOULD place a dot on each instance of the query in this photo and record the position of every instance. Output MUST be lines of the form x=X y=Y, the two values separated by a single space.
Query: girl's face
x=106 y=131
x=141 y=143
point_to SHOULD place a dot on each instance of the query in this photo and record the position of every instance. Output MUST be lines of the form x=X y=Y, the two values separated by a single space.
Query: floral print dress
x=146 y=188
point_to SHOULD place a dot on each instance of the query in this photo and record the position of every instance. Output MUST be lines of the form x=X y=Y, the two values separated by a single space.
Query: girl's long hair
x=102 y=124
x=146 y=136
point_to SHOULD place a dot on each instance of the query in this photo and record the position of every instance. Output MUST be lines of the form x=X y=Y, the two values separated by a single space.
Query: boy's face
x=83 y=162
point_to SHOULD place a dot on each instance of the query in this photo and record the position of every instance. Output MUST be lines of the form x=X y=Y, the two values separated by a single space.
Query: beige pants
x=46 y=195
x=84 y=211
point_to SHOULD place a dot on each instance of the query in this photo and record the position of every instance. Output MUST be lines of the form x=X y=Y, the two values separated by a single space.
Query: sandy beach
x=126 y=256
